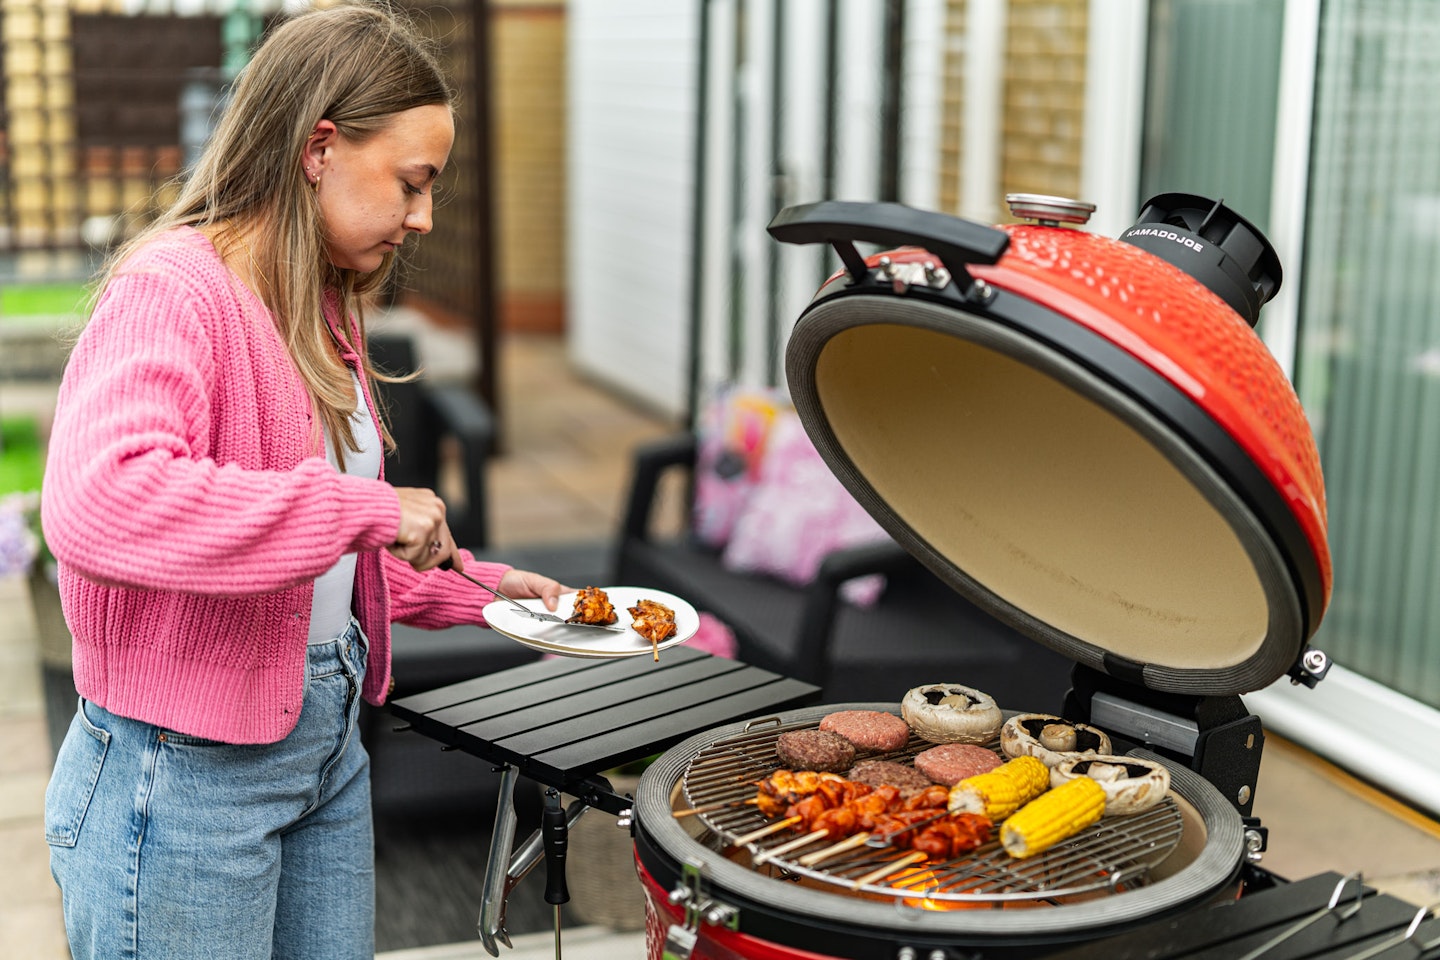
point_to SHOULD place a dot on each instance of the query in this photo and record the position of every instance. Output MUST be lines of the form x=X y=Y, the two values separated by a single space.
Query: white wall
x=924 y=89
x=737 y=342
x=630 y=135
x=1114 y=114
x=633 y=68
x=631 y=119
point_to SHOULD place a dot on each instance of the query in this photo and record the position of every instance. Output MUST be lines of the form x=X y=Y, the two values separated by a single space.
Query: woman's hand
x=523 y=583
x=424 y=539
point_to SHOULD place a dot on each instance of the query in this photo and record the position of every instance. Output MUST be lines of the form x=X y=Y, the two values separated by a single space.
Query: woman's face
x=376 y=193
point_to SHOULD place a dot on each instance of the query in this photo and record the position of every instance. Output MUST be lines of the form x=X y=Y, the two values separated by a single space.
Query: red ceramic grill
x=1085 y=437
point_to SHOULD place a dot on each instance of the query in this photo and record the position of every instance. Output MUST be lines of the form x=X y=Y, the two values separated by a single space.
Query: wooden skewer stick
x=712 y=807
x=834 y=850
x=775 y=827
x=789 y=845
x=889 y=868
x=863 y=839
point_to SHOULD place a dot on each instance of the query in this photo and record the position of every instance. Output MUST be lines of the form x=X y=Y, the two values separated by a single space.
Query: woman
x=213 y=495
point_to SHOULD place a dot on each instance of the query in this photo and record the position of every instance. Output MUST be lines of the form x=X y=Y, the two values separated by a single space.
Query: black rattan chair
x=423 y=417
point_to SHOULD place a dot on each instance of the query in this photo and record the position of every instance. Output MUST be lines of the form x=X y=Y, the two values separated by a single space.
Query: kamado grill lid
x=1075 y=432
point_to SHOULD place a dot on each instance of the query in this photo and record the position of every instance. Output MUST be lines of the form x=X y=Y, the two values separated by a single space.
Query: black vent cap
x=1213 y=244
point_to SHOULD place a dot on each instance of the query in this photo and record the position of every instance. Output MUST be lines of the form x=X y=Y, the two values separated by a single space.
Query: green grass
x=43 y=299
x=22 y=463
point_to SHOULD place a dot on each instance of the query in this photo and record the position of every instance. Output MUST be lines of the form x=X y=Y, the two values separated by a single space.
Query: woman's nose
x=419 y=216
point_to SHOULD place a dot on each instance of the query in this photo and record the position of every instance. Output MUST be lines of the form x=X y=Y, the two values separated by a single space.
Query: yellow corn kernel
x=1059 y=814
x=1001 y=791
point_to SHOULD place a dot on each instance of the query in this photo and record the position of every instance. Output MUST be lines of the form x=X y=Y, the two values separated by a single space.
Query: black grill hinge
x=1216 y=736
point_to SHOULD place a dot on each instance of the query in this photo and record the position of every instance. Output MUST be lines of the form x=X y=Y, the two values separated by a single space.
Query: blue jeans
x=172 y=846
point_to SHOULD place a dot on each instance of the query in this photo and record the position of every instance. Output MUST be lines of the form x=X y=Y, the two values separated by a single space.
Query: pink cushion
x=797 y=514
x=714 y=636
x=730 y=441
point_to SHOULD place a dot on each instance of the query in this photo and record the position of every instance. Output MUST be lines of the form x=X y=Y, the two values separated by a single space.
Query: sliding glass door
x=1320 y=121
x=1368 y=367
x=1210 y=101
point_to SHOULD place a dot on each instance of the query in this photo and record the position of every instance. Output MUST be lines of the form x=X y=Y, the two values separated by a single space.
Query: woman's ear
x=316 y=153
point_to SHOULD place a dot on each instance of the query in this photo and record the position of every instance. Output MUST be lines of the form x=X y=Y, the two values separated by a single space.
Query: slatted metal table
x=563 y=722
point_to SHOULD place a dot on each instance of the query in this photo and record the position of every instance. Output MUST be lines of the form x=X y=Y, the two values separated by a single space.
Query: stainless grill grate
x=1113 y=855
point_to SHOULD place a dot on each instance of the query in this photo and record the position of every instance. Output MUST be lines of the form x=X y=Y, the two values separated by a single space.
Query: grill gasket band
x=1019 y=329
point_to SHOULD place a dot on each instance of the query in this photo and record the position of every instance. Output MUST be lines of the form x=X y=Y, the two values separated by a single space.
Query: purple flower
x=19 y=544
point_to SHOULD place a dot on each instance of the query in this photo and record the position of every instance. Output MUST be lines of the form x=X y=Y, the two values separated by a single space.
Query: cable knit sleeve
x=179 y=458
x=438 y=598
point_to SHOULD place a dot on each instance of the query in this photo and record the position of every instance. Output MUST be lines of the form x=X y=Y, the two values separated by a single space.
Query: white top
x=330 y=609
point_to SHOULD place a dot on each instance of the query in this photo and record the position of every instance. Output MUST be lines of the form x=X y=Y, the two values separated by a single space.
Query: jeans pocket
x=72 y=785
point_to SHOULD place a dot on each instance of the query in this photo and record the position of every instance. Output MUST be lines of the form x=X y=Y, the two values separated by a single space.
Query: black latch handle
x=841 y=223
x=554 y=830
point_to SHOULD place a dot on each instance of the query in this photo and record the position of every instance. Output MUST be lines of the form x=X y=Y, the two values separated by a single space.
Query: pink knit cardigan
x=190 y=509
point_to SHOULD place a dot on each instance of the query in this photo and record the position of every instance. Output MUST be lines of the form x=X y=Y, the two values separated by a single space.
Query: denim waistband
x=348 y=649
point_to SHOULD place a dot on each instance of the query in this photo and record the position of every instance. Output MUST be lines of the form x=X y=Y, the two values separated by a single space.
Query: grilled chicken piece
x=842 y=808
x=799 y=782
x=654 y=621
x=956 y=834
x=592 y=605
x=931 y=798
x=785 y=787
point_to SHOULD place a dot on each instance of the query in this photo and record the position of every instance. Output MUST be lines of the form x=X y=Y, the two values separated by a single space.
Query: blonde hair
x=357 y=65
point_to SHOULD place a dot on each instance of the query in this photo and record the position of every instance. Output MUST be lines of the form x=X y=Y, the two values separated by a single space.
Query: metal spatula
x=520 y=608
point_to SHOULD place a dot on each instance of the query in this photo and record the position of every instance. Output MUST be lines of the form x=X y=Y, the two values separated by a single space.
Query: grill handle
x=841 y=223
x=554 y=826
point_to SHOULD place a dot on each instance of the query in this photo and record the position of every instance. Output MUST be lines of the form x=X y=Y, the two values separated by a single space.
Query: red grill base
x=712 y=943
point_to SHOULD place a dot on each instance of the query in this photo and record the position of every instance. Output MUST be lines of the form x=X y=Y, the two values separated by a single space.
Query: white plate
x=569 y=640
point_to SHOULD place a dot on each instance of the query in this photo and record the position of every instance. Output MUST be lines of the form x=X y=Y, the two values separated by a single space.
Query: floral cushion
x=796 y=514
x=730 y=441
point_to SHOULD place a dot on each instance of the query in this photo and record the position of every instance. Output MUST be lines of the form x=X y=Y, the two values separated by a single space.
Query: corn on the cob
x=1001 y=791
x=1059 y=814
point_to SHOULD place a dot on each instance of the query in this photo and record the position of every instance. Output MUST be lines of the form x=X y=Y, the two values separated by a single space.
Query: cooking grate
x=1115 y=854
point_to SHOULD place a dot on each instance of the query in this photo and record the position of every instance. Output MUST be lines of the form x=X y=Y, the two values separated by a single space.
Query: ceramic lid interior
x=1046 y=493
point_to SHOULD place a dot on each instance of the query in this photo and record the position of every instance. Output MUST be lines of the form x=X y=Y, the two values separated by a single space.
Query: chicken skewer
x=940 y=836
x=883 y=807
x=880 y=818
x=776 y=792
x=828 y=820
x=896 y=827
x=654 y=621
